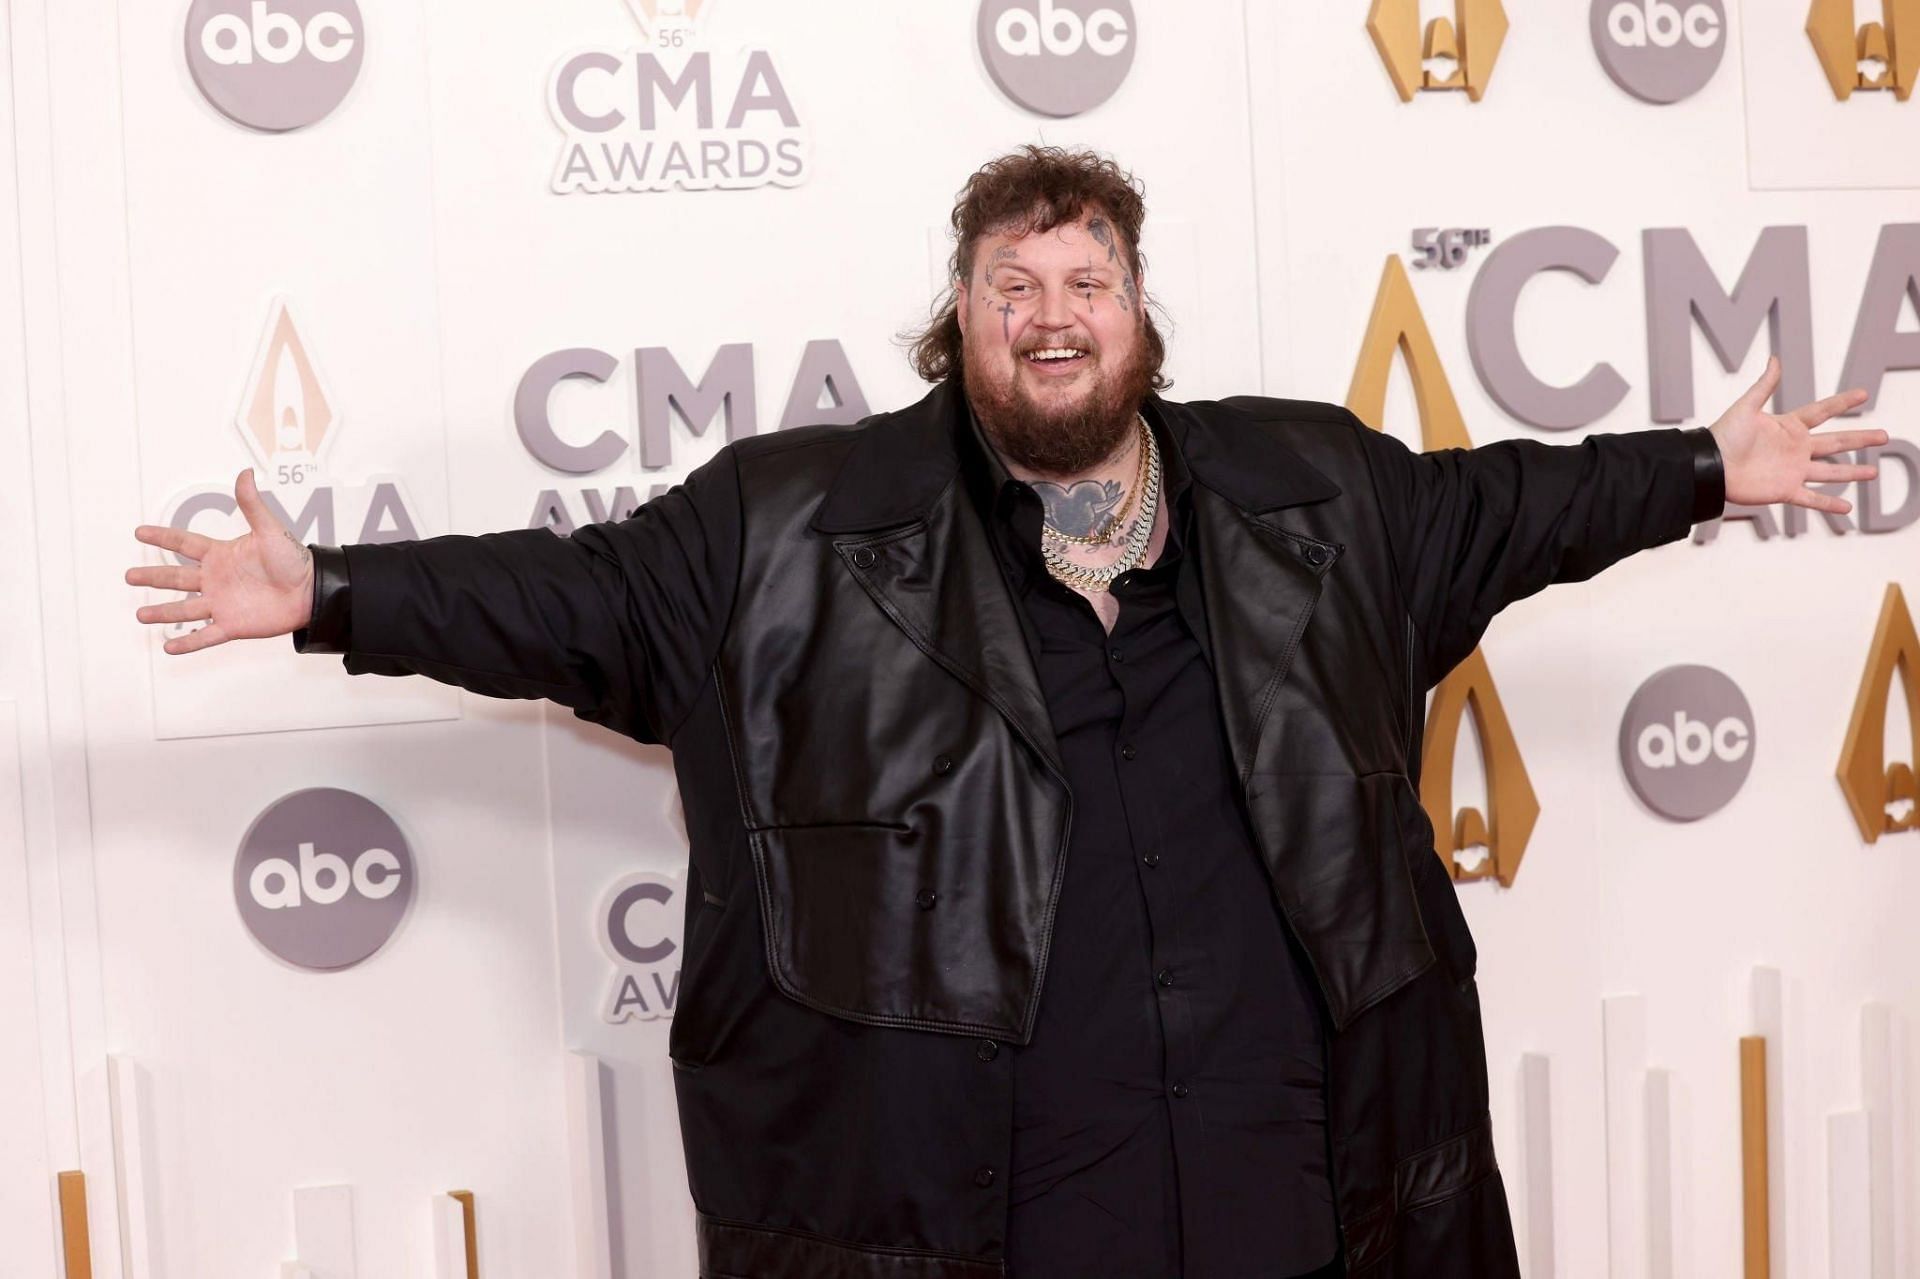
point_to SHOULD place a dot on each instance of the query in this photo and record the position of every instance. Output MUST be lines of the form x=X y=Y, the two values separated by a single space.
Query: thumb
x=1756 y=396
x=260 y=517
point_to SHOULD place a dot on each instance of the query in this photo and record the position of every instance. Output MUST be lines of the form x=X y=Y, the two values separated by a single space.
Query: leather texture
x=1709 y=474
x=326 y=630
x=815 y=625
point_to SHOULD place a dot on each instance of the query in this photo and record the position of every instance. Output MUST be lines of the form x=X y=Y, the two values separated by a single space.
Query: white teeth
x=1055 y=353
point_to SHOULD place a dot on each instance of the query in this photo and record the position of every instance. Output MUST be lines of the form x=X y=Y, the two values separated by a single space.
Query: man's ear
x=960 y=306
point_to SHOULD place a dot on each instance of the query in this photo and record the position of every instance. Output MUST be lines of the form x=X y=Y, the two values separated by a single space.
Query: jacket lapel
x=910 y=537
x=1331 y=839
x=1260 y=580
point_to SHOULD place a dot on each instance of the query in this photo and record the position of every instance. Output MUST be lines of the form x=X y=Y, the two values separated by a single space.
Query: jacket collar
x=902 y=462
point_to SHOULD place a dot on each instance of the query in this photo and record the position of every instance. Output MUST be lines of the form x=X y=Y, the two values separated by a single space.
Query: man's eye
x=1015 y=288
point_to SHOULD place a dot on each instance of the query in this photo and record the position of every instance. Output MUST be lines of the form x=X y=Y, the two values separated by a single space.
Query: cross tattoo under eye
x=1006 y=320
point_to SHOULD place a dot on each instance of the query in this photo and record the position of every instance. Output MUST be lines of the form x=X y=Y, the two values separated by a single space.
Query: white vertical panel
x=449 y=1238
x=1849 y=1199
x=128 y=1092
x=586 y=1140
x=1659 y=1174
x=323 y=1231
x=1536 y=1105
x=28 y=1223
x=1624 y=1036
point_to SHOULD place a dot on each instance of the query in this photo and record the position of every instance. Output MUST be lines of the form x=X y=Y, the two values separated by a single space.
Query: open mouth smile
x=1056 y=361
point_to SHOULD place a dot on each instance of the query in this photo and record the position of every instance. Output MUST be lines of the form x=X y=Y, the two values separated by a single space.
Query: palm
x=1772 y=458
x=249 y=587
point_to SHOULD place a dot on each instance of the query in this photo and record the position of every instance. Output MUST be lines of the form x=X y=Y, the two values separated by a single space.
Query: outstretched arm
x=618 y=622
x=1472 y=530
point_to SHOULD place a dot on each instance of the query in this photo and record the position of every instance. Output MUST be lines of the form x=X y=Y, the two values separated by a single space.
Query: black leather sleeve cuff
x=328 y=630
x=1709 y=475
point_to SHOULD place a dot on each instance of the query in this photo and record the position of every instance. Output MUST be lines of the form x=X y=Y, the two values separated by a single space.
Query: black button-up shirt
x=1168 y=1114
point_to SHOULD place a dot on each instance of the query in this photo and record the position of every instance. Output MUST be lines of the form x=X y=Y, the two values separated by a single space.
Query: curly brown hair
x=1034 y=189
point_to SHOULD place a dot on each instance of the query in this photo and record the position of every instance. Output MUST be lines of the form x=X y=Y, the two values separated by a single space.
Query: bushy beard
x=1065 y=442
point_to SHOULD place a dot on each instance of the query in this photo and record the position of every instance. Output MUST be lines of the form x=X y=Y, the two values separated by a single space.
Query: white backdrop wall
x=415 y=239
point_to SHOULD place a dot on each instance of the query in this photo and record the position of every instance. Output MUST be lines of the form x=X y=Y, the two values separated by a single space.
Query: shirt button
x=924 y=899
x=1316 y=554
x=863 y=557
x=983 y=1176
x=942 y=765
x=1179 y=1089
x=1114 y=653
x=1164 y=976
x=1128 y=752
x=987 y=1050
x=1151 y=859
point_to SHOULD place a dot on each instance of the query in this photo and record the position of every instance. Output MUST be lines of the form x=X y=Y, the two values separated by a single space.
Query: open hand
x=1773 y=459
x=253 y=586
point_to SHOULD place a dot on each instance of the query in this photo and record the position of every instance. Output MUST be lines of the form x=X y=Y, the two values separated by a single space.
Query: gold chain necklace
x=1081 y=577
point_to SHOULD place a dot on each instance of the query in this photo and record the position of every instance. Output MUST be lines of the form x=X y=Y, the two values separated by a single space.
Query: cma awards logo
x=1876 y=55
x=276 y=65
x=1451 y=53
x=822 y=390
x=1660 y=51
x=323 y=878
x=1770 y=301
x=290 y=422
x=639 y=923
x=1056 y=57
x=1687 y=741
x=675 y=112
x=1884 y=797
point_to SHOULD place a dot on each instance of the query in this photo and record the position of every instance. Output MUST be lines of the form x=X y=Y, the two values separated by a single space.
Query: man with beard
x=1048 y=683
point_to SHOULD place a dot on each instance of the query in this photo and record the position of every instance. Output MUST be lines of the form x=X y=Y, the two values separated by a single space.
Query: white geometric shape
x=1536 y=1108
x=1849 y=1195
x=323 y=1231
x=1659 y=1174
x=449 y=1238
x=127 y=1099
x=587 y=1148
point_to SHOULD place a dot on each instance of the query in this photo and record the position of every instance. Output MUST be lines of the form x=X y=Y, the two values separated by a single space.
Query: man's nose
x=1054 y=311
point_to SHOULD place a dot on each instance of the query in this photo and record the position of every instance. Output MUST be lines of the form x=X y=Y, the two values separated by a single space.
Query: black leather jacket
x=814 y=623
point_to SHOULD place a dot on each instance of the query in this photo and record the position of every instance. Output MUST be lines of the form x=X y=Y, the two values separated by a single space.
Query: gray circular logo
x=275 y=65
x=323 y=878
x=1660 y=51
x=1057 y=57
x=1687 y=742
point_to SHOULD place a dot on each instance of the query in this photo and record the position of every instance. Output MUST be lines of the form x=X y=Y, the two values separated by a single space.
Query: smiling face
x=1055 y=359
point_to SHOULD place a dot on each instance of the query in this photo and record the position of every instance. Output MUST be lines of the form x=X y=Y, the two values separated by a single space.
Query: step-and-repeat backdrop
x=305 y=974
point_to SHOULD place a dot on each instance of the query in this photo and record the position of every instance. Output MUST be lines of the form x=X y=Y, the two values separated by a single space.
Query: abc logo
x=1691 y=741
x=323 y=878
x=274 y=65
x=1057 y=57
x=1660 y=51
x=1686 y=742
